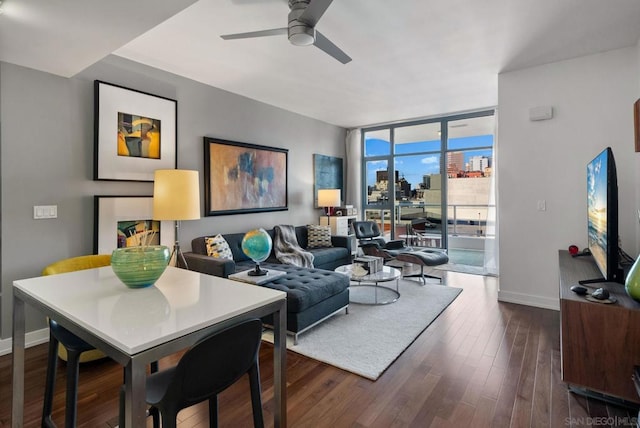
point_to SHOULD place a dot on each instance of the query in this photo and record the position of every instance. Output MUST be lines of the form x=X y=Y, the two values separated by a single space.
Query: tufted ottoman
x=424 y=258
x=313 y=295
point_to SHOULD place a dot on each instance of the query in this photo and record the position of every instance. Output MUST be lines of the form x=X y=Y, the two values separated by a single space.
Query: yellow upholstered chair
x=68 y=346
x=78 y=263
x=71 y=265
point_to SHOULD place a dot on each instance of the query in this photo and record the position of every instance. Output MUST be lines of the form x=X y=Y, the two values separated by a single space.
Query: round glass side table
x=368 y=289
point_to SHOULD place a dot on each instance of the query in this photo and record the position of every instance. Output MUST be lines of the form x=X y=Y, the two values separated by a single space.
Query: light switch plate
x=542 y=205
x=45 y=211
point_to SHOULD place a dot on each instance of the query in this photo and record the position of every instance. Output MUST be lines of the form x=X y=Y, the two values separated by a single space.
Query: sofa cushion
x=306 y=287
x=319 y=236
x=247 y=265
x=218 y=247
x=327 y=256
x=235 y=243
x=302 y=236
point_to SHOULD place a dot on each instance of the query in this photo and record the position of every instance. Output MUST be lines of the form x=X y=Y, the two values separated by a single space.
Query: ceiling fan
x=301 y=31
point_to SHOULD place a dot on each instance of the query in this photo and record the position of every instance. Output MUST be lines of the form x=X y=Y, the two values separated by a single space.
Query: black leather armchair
x=372 y=243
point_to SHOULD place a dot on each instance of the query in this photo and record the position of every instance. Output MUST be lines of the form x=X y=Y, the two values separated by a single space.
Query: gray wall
x=47 y=159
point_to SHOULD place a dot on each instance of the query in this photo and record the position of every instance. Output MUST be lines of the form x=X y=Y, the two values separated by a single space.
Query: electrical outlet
x=542 y=205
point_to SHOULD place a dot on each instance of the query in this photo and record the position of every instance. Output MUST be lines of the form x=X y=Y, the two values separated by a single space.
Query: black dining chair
x=206 y=369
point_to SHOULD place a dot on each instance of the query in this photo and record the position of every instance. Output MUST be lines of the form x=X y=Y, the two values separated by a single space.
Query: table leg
x=17 y=404
x=280 y=365
x=376 y=292
x=135 y=394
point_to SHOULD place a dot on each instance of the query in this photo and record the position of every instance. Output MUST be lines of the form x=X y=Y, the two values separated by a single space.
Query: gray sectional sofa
x=312 y=294
x=324 y=258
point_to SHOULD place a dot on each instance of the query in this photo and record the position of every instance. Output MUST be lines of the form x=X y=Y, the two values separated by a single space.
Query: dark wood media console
x=600 y=343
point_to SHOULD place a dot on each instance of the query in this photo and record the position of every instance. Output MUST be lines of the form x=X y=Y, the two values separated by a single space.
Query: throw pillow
x=218 y=247
x=318 y=236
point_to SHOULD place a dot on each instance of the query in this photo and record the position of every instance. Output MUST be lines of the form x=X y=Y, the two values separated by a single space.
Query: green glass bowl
x=139 y=267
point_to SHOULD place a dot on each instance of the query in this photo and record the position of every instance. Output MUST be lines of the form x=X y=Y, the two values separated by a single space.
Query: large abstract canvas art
x=243 y=178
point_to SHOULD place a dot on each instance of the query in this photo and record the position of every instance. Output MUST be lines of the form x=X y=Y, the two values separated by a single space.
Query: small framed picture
x=127 y=221
x=135 y=133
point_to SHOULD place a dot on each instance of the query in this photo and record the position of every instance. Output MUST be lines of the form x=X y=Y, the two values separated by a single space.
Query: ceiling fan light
x=301 y=39
x=301 y=34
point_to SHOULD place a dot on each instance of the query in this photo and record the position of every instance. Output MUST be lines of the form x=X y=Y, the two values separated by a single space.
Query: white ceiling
x=411 y=58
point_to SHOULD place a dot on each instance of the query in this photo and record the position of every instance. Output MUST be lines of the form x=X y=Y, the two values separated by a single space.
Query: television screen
x=597 y=209
x=602 y=209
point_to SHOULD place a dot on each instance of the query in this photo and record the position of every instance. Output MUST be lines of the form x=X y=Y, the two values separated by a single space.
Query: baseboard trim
x=529 y=300
x=32 y=338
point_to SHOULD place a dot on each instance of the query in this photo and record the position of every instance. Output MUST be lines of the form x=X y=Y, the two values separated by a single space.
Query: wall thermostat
x=540 y=113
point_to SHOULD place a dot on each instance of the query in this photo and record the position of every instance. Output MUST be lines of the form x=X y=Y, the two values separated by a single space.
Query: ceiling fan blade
x=263 y=33
x=326 y=45
x=314 y=11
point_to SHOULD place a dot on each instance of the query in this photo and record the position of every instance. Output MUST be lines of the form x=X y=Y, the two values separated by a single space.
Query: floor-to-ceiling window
x=470 y=163
x=377 y=168
x=429 y=182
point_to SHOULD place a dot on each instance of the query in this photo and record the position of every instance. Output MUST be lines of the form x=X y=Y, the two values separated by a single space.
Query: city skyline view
x=416 y=159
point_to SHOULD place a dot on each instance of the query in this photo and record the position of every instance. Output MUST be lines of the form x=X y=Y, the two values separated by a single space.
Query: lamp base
x=180 y=261
x=257 y=271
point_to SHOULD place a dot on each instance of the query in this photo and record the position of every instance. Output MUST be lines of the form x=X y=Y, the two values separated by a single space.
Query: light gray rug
x=368 y=339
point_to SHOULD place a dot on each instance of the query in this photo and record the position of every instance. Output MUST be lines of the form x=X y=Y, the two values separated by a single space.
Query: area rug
x=369 y=338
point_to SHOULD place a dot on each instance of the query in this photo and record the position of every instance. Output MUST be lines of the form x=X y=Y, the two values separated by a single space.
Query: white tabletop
x=134 y=320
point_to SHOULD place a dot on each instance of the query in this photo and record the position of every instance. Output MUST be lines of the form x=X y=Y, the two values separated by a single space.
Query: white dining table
x=138 y=326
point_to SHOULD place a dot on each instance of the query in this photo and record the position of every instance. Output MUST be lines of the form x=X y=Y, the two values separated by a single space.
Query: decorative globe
x=139 y=267
x=256 y=244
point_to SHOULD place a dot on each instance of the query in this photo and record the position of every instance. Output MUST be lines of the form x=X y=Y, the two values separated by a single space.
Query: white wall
x=592 y=98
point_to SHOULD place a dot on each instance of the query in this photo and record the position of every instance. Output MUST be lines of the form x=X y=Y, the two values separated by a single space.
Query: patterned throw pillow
x=318 y=236
x=218 y=247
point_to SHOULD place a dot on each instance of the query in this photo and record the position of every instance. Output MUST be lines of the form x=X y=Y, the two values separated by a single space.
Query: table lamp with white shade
x=329 y=198
x=176 y=197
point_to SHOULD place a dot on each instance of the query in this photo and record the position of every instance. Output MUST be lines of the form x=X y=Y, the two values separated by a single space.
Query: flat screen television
x=602 y=217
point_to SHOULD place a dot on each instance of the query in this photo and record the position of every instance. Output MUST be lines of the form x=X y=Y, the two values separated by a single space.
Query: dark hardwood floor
x=480 y=364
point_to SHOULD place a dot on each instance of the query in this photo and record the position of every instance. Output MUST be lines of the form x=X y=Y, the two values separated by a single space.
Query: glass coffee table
x=368 y=290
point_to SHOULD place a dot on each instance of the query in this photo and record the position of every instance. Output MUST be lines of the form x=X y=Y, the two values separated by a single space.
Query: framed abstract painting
x=127 y=221
x=327 y=174
x=244 y=178
x=135 y=133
